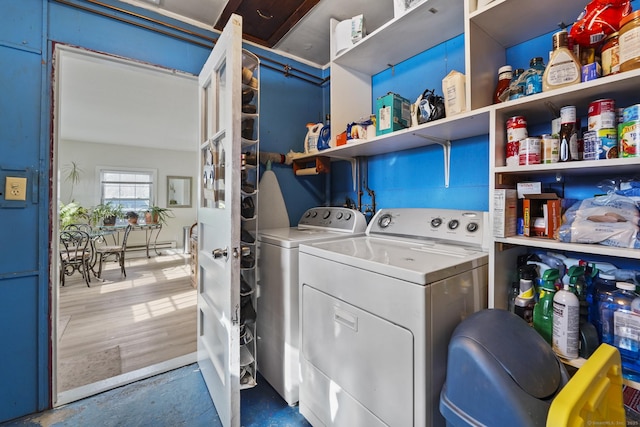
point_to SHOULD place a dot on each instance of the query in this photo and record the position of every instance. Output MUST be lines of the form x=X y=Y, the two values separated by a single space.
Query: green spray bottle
x=543 y=310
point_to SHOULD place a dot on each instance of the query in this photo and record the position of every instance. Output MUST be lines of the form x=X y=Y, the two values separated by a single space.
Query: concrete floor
x=176 y=398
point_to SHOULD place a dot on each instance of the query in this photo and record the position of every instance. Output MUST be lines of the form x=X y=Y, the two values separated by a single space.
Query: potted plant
x=132 y=217
x=107 y=213
x=157 y=215
x=72 y=213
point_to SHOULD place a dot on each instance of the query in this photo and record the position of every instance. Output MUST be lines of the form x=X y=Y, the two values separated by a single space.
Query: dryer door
x=361 y=365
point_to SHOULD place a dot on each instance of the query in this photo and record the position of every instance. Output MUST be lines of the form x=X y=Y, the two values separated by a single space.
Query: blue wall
x=27 y=30
x=415 y=178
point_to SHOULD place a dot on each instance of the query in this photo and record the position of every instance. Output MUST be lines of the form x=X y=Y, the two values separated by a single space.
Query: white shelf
x=405 y=36
x=584 y=168
x=461 y=126
x=511 y=22
x=534 y=242
x=536 y=107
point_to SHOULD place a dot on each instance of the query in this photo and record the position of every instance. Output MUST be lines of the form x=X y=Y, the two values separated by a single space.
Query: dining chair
x=80 y=226
x=118 y=250
x=75 y=254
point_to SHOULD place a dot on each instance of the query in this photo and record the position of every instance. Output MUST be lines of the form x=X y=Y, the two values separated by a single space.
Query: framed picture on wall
x=179 y=191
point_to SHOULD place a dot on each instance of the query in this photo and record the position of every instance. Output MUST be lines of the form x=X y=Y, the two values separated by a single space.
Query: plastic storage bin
x=593 y=397
x=500 y=372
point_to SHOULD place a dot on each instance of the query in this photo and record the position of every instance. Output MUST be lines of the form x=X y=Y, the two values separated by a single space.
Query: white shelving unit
x=489 y=32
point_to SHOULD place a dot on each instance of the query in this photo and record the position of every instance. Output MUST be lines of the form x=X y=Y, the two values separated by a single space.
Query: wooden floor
x=150 y=316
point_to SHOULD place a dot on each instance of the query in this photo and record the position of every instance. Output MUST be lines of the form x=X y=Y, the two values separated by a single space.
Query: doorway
x=112 y=112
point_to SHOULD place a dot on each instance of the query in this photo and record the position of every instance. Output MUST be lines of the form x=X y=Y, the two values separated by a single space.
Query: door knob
x=219 y=253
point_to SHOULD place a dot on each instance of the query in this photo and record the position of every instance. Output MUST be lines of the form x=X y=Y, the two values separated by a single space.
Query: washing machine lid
x=292 y=237
x=420 y=262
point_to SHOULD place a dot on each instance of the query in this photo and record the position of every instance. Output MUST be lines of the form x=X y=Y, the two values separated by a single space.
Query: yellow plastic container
x=593 y=396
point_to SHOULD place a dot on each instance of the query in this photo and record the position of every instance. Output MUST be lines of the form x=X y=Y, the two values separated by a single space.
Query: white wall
x=89 y=156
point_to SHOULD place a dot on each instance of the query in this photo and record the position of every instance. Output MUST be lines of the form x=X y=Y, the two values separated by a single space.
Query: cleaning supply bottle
x=311 y=140
x=605 y=285
x=620 y=316
x=563 y=69
x=577 y=284
x=566 y=318
x=525 y=301
x=543 y=310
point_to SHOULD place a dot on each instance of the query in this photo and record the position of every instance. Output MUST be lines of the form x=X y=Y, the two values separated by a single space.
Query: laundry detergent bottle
x=566 y=323
x=311 y=140
x=543 y=310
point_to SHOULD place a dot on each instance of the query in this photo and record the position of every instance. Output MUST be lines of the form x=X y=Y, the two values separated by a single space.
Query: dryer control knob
x=384 y=221
x=339 y=215
x=472 y=227
x=347 y=216
x=453 y=224
x=326 y=214
x=436 y=222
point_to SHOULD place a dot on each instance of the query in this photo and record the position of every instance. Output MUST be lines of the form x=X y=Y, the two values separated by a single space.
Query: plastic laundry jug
x=311 y=140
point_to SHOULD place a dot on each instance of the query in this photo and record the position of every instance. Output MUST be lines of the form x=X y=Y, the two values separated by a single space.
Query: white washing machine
x=278 y=320
x=377 y=313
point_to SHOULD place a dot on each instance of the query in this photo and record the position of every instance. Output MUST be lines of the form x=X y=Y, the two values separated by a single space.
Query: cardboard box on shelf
x=505 y=212
x=546 y=206
x=393 y=112
x=528 y=188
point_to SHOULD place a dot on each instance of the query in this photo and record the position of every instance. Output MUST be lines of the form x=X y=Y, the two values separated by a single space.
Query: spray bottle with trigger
x=587 y=331
x=543 y=310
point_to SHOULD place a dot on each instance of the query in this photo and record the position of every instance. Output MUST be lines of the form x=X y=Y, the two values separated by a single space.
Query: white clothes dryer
x=377 y=313
x=277 y=314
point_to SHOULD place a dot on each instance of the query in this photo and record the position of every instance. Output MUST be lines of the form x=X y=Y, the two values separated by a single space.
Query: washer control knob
x=314 y=214
x=436 y=222
x=453 y=224
x=384 y=221
x=347 y=216
x=326 y=214
x=339 y=215
x=472 y=227
x=307 y=214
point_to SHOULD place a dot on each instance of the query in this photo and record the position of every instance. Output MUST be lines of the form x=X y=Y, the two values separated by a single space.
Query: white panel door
x=219 y=201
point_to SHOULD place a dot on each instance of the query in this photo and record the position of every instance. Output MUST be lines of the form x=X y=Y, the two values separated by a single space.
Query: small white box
x=505 y=212
x=400 y=7
x=528 y=188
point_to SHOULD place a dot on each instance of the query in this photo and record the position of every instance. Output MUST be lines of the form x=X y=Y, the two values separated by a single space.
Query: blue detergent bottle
x=620 y=317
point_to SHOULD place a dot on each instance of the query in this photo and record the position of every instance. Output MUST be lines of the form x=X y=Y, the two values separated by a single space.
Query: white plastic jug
x=311 y=140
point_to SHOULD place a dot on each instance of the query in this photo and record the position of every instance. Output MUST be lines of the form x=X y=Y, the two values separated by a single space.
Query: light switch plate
x=15 y=188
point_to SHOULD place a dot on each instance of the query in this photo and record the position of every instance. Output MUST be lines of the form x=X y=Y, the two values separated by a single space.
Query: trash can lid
x=517 y=348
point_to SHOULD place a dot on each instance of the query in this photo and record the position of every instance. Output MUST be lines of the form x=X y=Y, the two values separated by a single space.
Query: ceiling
x=307 y=40
x=107 y=100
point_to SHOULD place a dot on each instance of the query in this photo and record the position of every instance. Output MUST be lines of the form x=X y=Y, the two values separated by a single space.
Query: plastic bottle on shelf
x=543 y=310
x=533 y=79
x=502 y=88
x=569 y=149
x=577 y=284
x=620 y=317
x=564 y=68
x=516 y=86
x=604 y=286
x=566 y=321
x=525 y=301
